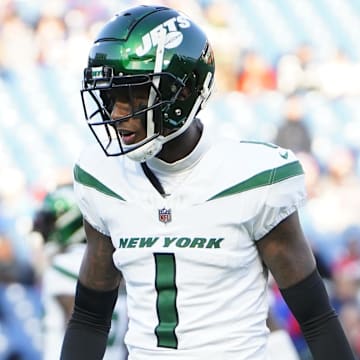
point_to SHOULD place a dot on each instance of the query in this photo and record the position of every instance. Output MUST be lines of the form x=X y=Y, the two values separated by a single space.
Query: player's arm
x=289 y=257
x=96 y=294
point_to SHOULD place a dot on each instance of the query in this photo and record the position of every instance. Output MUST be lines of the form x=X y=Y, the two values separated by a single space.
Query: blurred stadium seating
x=20 y=325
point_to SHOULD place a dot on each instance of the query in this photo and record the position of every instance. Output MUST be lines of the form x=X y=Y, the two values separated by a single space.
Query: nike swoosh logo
x=284 y=154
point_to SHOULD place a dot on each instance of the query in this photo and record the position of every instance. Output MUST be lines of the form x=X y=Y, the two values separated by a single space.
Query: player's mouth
x=127 y=136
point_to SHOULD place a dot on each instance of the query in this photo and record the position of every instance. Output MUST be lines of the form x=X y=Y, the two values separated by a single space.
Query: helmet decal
x=157 y=69
x=174 y=37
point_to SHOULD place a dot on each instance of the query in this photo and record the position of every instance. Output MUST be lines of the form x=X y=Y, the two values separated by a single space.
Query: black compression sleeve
x=87 y=331
x=309 y=303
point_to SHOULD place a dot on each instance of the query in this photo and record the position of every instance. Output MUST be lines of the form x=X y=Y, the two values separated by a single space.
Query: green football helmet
x=59 y=219
x=154 y=48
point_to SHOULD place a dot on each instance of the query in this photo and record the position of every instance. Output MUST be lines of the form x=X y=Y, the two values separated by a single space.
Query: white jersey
x=196 y=286
x=60 y=279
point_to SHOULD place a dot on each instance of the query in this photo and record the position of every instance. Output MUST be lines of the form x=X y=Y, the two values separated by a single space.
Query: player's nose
x=120 y=109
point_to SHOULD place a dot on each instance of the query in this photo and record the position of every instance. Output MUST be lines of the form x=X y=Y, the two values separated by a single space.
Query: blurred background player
x=60 y=223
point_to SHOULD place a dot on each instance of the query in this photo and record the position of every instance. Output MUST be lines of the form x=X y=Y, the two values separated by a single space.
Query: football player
x=193 y=223
x=59 y=222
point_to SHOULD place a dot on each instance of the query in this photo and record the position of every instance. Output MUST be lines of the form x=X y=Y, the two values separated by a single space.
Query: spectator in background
x=349 y=260
x=297 y=71
x=6 y=259
x=20 y=333
x=337 y=207
x=293 y=133
x=339 y=76
x=346 y=287
x=350 y=317
x=13 y=269
x=255 y=76
x=16 y=39
x=221 y=24
x=345 y=290
x=50 y=36
x=312 y=172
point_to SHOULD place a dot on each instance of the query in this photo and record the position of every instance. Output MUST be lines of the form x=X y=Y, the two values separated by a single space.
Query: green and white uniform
x=196 y=286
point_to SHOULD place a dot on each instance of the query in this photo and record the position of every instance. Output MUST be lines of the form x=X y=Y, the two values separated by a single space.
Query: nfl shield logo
x=165 y=215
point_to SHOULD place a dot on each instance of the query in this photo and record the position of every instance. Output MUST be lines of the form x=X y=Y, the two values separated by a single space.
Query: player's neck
x=182 y=145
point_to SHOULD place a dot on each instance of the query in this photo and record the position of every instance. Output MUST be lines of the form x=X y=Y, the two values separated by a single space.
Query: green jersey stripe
x=166 y=300
x=264 y=178
x=83 y=177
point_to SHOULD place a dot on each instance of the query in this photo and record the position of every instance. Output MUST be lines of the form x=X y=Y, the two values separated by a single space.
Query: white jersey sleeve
x=285 y=194
x=86 y=198
x=270 y=178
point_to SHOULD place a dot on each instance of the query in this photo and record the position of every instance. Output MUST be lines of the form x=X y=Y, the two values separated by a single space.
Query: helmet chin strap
x=146 y=151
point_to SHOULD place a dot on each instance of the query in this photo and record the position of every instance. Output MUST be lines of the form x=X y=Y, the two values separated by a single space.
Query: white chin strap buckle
x=146 y=151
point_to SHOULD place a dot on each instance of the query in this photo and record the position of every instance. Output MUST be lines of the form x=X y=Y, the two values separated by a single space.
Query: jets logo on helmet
x=174 y=37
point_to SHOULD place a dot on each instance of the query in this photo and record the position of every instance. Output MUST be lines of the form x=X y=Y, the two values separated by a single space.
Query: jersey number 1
x=165 y=276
